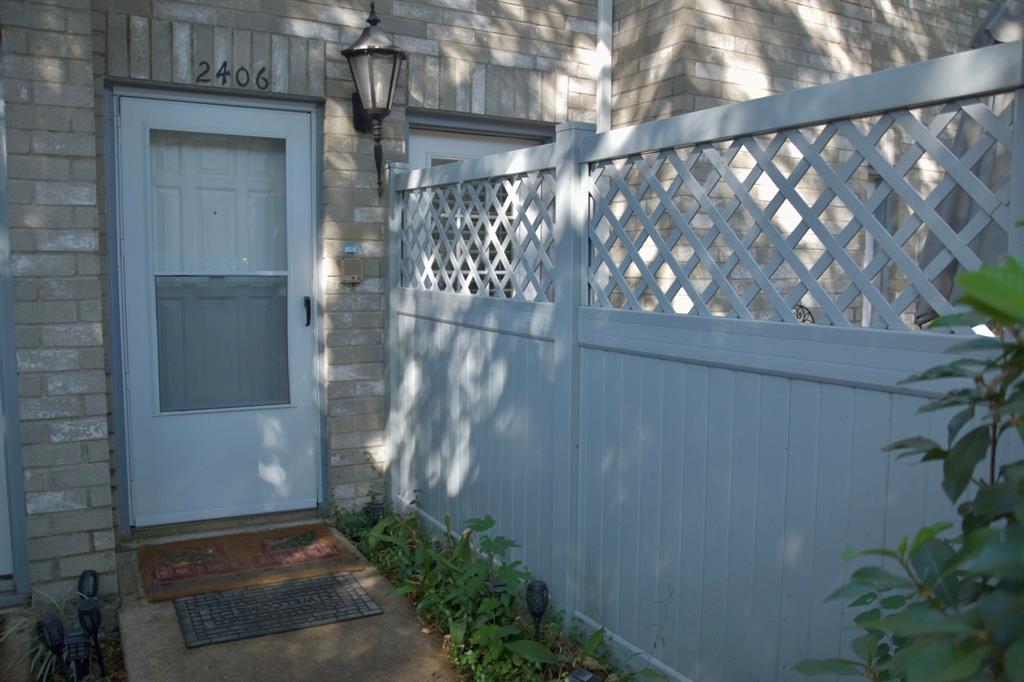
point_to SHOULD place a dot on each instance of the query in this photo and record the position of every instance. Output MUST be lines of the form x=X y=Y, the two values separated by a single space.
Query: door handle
x=308 y=303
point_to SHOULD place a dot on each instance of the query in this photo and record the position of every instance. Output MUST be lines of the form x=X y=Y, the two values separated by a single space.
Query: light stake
x=77 y=643
x=537 y=603
x=90 y=617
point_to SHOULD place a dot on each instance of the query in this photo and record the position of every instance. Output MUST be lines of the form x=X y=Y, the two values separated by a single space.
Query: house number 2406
x=240 y=76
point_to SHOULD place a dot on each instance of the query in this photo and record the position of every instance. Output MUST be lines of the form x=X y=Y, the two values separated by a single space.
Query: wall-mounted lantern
x=375 y=62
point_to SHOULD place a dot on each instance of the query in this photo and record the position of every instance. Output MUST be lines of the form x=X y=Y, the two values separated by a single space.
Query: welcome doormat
x=269 y=609
x=227 y=562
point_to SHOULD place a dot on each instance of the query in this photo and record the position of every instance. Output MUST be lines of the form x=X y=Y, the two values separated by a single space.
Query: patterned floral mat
x=225 y=562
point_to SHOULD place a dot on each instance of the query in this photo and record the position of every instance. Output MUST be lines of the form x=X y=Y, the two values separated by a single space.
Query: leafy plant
x=950 y=609
x=466 y=586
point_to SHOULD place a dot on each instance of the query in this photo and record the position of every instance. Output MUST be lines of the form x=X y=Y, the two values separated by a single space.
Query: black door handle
x=308 y=303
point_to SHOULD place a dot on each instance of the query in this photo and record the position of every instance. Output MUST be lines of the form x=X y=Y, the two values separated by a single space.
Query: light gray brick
x=104 y=540
x=69 y=144
x=60 y=545
x=52 y=455
x=63 y=500
x=80 y=476
x=83 y=334
x=92 y=428
x=50 y=408
x=73 y=383
x=66 y=193
x=101 y=562
x=80 y=520
x=47 y=360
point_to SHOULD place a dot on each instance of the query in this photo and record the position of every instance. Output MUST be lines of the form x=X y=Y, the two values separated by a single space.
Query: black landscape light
x=90 y=617
x=375 y=62
x=77 y=643
x=88 y=583
x=537 y=603
x=50 y=631
x=584 y=675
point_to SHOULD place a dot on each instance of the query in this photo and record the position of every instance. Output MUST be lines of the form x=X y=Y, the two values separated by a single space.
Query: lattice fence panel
x=860 y=222
x=492 y=237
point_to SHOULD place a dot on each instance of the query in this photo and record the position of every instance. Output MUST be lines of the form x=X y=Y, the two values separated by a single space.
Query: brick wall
x=672 y=57
x=55 y=245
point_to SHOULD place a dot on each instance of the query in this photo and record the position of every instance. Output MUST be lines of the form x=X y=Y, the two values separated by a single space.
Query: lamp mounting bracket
x=360 y=121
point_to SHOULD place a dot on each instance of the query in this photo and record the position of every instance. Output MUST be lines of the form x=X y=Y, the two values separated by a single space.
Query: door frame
x=114 y=91
x=10 y=431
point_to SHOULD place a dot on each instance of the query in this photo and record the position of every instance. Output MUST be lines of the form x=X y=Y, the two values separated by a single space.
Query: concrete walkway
x=391 y=646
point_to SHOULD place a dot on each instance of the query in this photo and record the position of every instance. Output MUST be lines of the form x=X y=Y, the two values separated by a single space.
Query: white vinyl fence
x=666 y=358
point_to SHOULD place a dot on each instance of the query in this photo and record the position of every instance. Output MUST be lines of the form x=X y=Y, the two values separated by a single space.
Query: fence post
x=570 y=230
x=394 y=280
x=1016 y=231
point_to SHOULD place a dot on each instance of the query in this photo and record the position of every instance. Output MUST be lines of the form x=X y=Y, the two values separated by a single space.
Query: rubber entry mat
x=268 y=609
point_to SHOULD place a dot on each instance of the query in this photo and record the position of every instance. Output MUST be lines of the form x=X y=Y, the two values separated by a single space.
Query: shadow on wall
x=684 y=59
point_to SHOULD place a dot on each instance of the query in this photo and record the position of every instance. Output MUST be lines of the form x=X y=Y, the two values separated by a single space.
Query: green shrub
x=465 y=586
x=951 y=609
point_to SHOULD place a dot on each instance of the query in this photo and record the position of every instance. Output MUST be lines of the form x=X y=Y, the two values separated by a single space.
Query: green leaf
x=960 y=396
x=893 y=602
x=849 y=554
x=922 y=621
x=880 y=577
x=941 y=662
x=864 y=599
x=458 y=632
x=1013 y=662
x=957 y=320
x=829 y=666
x=963 y=458
x=996 y=500
x=870 y=616
x=851 y=590
x=532 y=651
x=1001 y=554
x=929 y=561
x=866 y=646
x=507 y=630
x=958 y=421
x=403 y=589
x=481 y=525
x=953 y=370
x=993 y=290
x=912 y=445
x=929 y=532
x=593 y=642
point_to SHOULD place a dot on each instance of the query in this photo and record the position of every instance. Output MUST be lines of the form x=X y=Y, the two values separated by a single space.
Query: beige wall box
x=351 y=269
x=351 y=265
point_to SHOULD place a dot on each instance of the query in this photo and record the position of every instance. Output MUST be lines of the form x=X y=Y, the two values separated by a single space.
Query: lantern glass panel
x=360 y=65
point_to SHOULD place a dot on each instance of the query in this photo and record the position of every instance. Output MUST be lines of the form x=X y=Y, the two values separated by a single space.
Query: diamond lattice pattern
x=862 y=222
x=490 y=237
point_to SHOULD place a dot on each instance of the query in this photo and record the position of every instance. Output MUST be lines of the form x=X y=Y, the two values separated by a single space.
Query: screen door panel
x=220 y=208
x=221 y=391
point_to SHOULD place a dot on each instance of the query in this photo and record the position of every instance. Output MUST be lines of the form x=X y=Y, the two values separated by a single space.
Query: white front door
x=217 y=285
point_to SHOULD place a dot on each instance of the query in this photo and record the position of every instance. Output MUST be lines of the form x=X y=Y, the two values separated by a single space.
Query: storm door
x=216 y=224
